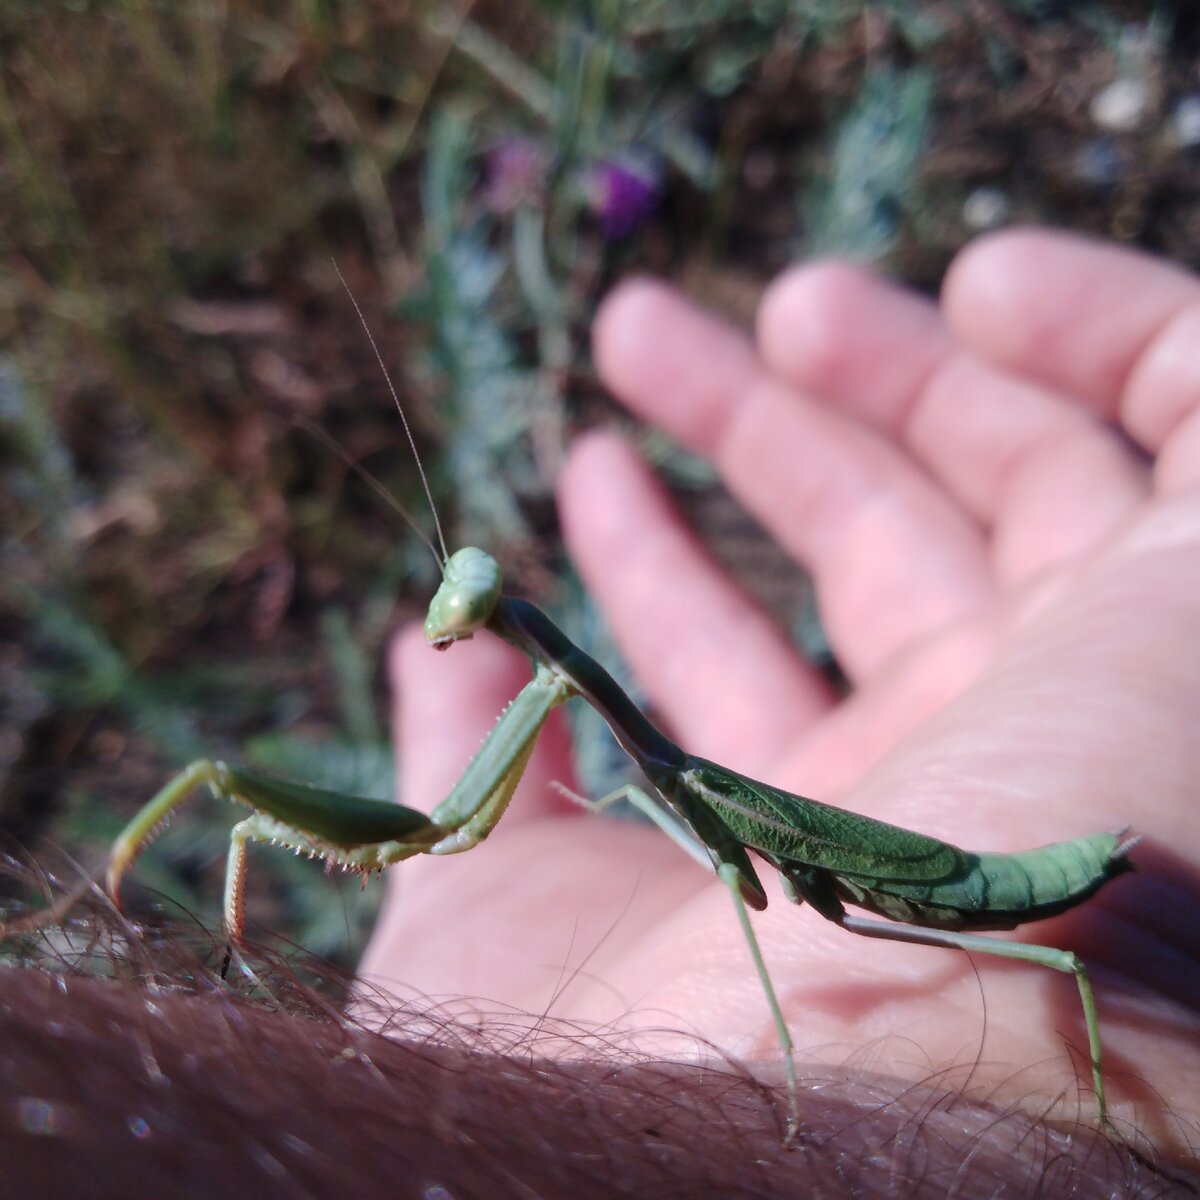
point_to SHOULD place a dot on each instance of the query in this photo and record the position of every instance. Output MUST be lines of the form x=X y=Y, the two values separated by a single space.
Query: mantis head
x=466 y=598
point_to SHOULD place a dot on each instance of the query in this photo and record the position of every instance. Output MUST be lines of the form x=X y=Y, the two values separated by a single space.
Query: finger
x=447 y=703
x=712 y=662
x=1178 y=465
x=1116 y=329
x=1048 y=477
x=873 y=721
x=892 y=556
x=849 y=338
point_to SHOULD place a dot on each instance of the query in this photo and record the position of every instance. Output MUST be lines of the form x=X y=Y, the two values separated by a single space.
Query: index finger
x=711 y=661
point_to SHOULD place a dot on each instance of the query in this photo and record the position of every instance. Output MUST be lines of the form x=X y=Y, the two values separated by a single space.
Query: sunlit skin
x=998 y=499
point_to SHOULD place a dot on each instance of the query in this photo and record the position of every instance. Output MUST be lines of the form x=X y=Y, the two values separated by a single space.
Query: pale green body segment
x=824 y=855
x=469 y=591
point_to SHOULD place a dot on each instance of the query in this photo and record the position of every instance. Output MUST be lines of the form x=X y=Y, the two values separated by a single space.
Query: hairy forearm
x=149 y=1092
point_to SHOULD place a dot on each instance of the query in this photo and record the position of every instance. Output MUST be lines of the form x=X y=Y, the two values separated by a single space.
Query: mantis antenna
x=376 y=485
x=403 y=420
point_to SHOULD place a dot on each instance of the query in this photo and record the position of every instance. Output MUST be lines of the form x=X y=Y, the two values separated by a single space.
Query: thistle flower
x=622 y=193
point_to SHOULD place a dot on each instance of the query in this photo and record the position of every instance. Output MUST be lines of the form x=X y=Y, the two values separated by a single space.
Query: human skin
x=998 y=497
x=116 y=1089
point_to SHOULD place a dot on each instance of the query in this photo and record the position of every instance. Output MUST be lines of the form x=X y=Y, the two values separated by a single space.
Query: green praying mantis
x=930 y=892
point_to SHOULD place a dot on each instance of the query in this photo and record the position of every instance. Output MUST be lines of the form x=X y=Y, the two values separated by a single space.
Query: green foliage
x=857 y=209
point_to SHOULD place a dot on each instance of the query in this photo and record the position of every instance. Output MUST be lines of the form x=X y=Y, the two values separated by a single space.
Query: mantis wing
x=784 y=825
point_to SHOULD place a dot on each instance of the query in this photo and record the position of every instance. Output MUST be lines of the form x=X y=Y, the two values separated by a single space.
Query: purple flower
x=622 y=193
x=516 y=171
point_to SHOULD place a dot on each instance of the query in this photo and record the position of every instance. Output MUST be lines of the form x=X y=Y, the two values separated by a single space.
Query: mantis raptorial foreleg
x=353 y=832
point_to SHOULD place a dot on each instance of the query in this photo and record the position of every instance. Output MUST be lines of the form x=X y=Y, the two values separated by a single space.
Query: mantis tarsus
x=933 y=891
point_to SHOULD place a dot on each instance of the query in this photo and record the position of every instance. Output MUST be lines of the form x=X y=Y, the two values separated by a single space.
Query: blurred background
x=187 y=569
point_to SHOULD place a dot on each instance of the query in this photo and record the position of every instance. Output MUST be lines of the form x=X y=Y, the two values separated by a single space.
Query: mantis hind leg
x=728 y=874
x=1045 y=956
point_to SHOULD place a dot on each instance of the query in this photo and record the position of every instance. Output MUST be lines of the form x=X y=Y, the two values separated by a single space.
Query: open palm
x=999 y=500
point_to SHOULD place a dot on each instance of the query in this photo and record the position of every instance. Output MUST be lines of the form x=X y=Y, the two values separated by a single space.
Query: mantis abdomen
x=998 y=891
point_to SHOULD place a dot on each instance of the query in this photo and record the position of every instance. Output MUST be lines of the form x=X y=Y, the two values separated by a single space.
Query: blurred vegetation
x=186 y=570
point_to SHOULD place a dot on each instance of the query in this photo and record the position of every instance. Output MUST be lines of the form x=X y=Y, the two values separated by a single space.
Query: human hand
x=1010 y=583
